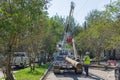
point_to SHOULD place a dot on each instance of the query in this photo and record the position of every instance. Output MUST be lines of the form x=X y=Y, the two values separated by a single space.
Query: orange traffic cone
x=115 y=63
x=109 y=62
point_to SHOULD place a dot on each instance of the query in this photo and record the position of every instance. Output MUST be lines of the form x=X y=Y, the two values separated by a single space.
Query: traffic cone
x=109 y=62
x=115 y=63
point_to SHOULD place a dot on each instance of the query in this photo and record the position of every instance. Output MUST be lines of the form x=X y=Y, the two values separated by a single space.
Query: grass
x=1 y=78
x=26 y=74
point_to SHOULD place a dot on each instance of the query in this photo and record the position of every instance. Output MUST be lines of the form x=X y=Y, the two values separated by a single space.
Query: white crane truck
x=65 y=59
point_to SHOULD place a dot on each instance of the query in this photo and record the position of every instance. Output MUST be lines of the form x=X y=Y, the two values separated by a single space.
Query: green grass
x=1 y=78
x=26 y=74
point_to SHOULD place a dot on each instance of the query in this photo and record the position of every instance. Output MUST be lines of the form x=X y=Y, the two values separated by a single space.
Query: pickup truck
x=20 y=59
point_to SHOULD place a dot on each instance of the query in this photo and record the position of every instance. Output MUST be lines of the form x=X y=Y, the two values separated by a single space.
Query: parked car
x=20 y=59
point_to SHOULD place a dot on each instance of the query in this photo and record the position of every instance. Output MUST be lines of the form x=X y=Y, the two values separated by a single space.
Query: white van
x=20 y=59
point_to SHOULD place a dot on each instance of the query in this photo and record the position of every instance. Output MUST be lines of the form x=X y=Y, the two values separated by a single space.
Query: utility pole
x=110 y=2
x=85 y=25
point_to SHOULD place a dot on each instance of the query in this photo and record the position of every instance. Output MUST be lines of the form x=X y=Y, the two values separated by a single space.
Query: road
x=70 y=76
x=95 y=74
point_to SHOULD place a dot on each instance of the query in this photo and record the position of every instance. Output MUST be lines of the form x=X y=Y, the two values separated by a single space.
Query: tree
x=103 y=31
x=16 y=19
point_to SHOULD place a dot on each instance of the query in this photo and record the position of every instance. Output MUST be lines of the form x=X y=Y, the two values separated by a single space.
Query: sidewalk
x=99 y=70
x=104 y=64
x=106 y=75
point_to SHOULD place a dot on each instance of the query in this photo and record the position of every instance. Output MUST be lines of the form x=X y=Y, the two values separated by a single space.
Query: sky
x=82 y=8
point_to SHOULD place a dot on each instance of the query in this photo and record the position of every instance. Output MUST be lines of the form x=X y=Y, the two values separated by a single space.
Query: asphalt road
x=95 y=74
x=70 y=75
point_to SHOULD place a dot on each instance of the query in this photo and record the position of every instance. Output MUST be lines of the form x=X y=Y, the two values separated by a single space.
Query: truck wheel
x=22 y=66
x=56 y=70
x=17 y=67
x=78 y=71
x=25 y=65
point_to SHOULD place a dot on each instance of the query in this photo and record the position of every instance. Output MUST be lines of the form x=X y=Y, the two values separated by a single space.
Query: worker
x=86 y=63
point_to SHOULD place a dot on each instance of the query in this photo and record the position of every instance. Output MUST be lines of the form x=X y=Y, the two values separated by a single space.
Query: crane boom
x=70 y=16
x=67 y=28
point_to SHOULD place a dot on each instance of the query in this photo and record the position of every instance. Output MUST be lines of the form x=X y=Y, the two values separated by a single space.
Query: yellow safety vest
x=87 y=60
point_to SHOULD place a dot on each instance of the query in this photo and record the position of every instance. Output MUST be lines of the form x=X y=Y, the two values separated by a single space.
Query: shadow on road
x=77 y=76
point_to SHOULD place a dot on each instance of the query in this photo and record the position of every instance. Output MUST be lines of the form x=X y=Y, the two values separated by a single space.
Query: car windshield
x=19 y=55
x=60 y=58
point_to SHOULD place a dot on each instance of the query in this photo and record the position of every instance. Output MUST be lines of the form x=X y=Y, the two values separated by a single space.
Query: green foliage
x=17 y=21
x=102 y=31
x=26 y=74
x=55 y=30
x=17 y=16
x=102 y=27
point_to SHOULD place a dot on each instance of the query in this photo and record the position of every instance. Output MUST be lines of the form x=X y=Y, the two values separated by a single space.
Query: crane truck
x=64 y=58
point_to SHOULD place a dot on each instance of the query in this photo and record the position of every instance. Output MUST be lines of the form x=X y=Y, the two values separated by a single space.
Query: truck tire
x=17 y=67
x=25 y=65
x=56 y=70
x=78 y=71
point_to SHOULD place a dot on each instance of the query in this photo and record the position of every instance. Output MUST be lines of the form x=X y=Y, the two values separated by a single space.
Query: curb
x=105 y=66
x=46 y=72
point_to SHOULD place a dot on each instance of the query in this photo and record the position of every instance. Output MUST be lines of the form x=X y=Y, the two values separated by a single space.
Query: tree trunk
x=39 y=61
x=44 y=59
x=109 y=54
x=114 y=54
x=32 y=65
x=8 y=71
x=98 y=56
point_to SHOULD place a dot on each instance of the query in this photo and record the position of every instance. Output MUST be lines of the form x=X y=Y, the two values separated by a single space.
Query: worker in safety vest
x=86 y=63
